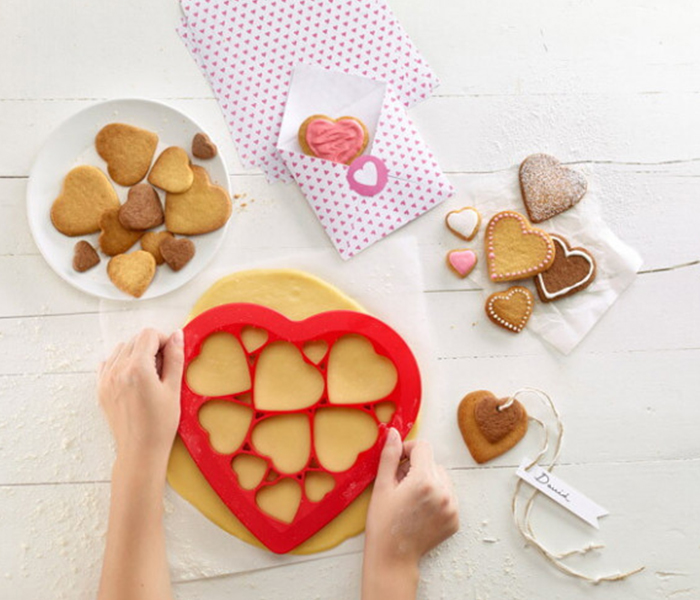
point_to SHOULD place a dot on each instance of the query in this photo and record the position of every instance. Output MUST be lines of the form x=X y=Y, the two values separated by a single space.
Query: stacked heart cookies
x=88 y=203
x=516 y=250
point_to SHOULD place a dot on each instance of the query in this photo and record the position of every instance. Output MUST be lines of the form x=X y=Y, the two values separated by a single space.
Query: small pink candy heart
x=462 y=262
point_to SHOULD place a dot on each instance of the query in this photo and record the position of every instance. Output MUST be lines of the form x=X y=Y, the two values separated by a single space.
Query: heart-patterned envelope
x=395 y=179
x=293 y=409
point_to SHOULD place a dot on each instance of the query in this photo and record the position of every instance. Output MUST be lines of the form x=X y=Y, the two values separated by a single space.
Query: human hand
x=142 y=405
x=412 y=510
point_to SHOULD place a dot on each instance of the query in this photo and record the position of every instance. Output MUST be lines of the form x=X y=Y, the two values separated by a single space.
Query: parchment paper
x=564 y=323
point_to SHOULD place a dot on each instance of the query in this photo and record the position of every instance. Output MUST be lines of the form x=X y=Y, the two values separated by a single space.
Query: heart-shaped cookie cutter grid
x=310 y=517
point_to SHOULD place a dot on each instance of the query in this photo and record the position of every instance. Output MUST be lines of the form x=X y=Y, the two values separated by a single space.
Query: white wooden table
x=612 y=87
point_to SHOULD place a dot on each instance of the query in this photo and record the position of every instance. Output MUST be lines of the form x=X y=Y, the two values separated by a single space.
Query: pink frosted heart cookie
x=462 y=261
x=515 y=249
x=549 y=188
x=340 y=140
x=464 y=222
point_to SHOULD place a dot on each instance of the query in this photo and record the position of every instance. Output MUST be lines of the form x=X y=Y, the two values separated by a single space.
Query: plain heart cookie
x=151 y=241
x=142 y=209
x=489 y=427
x=510 y=309
x=340 y=140
x=127 y=150
x=515 y=249
x=464 y=222
x=573 y=270
x=203 y=208
x=85 y=195
x=132 y=273
x=549 y=188
x=171 y=171
x=114 y=237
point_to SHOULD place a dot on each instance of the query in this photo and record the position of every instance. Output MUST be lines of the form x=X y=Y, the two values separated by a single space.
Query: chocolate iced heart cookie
x=510 y=309
x=487 y=429
x=203 y=147
x=142 y=209
x=549 y=188
x=573 y=270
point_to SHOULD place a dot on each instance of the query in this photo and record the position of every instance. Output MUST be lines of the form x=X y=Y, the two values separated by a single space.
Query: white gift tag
x=561 y=492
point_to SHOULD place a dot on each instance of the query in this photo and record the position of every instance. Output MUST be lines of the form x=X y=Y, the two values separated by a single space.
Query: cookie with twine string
x=490 y=426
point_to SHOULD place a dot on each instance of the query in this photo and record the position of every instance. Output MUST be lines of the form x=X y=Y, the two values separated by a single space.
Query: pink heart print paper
x=248 y=48
x=358 y=207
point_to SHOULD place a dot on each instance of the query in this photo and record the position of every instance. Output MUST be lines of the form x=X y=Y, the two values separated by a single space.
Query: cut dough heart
x=510 y=309
x=515 y=249
x=315 y=350
x=284 y=381
x=317 y=485
x=253 y=338
x=171 y=171
x=127 y=150
x=464 y=222
x=280 y=500
x=227 y=424
x=85 y=195
x=356 y=373
x=548 y=187
x=204 y=207
x=286 y=439
x=220 y=369
x=340 y=434
x=249 y=470
x=487 y=432
x=132 y=273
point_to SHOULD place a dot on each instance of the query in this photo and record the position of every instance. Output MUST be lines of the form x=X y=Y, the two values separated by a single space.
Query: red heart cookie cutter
x=310 y=517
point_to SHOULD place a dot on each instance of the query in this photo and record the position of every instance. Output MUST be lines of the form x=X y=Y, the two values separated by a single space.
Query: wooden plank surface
x=611 y=88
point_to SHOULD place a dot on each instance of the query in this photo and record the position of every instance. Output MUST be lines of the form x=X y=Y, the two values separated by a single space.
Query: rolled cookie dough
x=297 y=295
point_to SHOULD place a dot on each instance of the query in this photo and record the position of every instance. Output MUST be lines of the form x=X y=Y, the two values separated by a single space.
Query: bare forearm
x=135 y=562
x=385 y=580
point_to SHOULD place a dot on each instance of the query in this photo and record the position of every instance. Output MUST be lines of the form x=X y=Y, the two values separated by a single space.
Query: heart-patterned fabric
x=288 y=435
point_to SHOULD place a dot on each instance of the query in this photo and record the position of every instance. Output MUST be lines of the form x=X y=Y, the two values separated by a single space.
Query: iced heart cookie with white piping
x=464 y=222
x=573 y=270
x=510 y=309
x=515 y=249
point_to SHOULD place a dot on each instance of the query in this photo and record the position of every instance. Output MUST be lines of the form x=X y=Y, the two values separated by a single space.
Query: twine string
x=522 y=519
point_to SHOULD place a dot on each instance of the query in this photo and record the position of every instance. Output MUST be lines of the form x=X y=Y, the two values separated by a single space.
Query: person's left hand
x=142 y=404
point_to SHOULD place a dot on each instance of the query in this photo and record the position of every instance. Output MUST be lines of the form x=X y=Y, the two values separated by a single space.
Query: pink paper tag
x=367 y=175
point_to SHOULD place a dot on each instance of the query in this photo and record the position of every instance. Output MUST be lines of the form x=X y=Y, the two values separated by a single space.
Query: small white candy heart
x=464 y=222
x=367 y=175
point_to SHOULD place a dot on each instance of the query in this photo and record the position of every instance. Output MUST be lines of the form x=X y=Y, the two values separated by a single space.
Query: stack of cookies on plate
x=88 y=203
x=516 y=250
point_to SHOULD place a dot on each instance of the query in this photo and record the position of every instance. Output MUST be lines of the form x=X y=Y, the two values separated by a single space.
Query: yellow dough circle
x=296 y=295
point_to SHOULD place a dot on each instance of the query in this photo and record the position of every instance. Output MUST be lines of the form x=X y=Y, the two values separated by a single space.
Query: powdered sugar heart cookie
x=462 y=262
x=549 y=188
x=488 y=426
x=515 y=249
x=573 y=270
x=340 y=140
x=510 y=309
x=464 y=222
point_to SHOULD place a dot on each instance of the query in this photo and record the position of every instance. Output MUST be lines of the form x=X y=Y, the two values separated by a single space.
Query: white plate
x=72 y=144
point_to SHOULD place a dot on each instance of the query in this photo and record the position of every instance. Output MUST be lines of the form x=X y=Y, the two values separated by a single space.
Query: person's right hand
x=412 y=510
